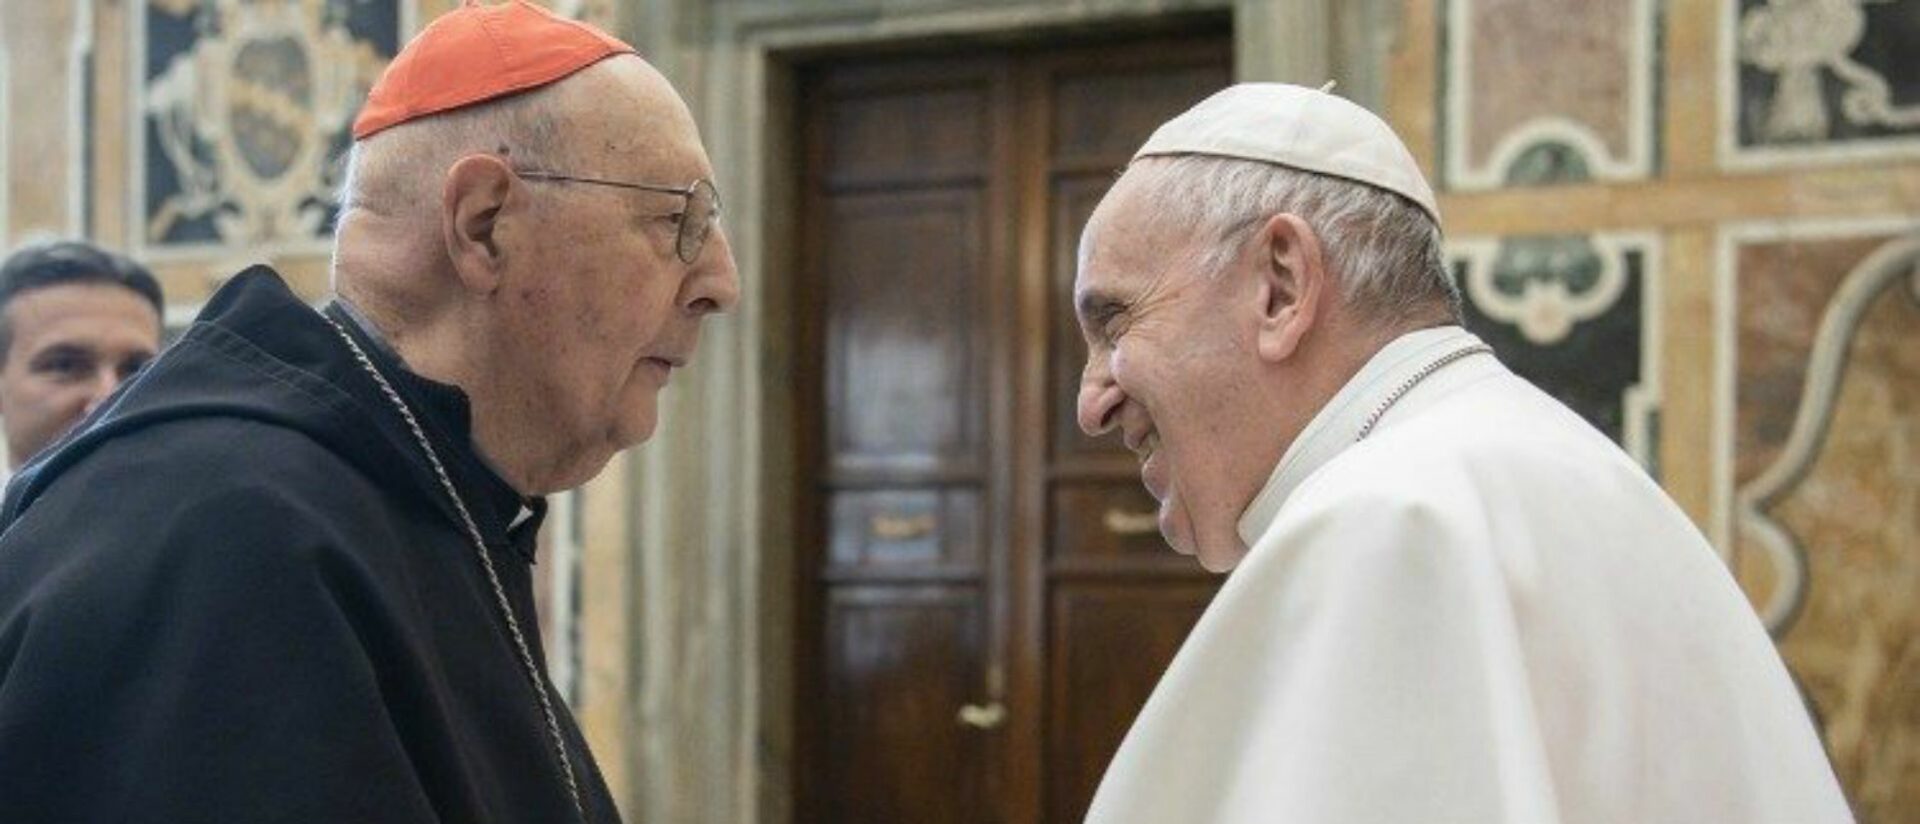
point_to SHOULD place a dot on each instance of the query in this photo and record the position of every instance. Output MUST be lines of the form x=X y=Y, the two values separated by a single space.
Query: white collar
x=1333 y=429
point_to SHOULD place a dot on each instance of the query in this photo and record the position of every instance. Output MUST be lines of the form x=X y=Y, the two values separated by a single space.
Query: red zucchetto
x=476 y=53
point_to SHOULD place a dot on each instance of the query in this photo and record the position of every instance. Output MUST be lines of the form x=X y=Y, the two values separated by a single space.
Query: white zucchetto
x=1300 y=128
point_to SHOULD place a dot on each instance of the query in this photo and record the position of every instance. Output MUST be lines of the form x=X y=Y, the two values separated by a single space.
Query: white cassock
x=1483 y=612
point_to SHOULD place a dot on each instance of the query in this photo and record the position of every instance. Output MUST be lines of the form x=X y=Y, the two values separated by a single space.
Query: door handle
x=983 y=717
x=888 y=527
x=1121 y=522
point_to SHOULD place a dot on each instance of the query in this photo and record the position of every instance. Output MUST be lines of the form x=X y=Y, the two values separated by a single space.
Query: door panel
x=900 y=217
x=927 y=131
x=1110 y=644
x=911 y=532
x=905 y=365
x=900 y=661
x=1109 y=526
x=1103 y=112
x=971 y=549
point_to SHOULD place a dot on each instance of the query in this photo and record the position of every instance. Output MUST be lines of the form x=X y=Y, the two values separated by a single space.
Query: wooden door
x=984 y=601
x=909 y=265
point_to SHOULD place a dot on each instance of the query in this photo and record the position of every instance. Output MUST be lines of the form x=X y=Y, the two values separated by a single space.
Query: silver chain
x=1412 y=381
x=479 y=545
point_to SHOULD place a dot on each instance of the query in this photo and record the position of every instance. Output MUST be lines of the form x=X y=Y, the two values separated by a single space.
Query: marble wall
x=1577 y=315
x=1825 y=467
x=45 y=53
x=1575 y=312
x=1822 y=79
x=1688 y=220
x=1587 y=113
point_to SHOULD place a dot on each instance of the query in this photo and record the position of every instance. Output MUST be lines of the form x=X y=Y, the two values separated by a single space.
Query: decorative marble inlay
x=1826 y=470
x=1820 y=78
x=1573 y=314
x=1587 y=95
x=246 y=109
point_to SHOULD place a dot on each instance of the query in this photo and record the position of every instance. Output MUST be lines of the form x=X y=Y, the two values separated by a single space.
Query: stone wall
x=1696 y=222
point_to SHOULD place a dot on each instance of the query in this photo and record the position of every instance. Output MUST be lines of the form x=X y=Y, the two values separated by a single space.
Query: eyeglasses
x=696 y=220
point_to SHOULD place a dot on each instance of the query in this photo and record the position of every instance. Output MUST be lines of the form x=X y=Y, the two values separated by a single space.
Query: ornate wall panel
x=1821 y=477
x=244 y=110
x=1577 y=315
x=1538 y=92
x=1808 y=80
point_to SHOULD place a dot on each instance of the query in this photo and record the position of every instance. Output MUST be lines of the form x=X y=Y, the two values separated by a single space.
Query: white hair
x=400 y=170
x=1383 y=250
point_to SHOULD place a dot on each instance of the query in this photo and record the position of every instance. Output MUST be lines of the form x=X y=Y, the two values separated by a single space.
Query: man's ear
x=1294 y=285
x=471 y=203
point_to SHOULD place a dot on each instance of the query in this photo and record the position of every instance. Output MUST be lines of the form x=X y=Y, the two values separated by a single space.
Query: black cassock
x=238 y=593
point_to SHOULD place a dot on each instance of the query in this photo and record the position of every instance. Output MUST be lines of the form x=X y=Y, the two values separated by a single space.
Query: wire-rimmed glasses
x=696 y=219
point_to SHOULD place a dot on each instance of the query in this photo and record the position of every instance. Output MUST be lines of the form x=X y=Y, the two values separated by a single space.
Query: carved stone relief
x=1811 y=79
x=245 y=109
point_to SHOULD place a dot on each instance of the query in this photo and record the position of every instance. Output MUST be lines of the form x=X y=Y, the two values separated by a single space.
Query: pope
x=1449 y=599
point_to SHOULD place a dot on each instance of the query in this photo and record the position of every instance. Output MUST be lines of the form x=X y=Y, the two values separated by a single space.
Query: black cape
x=237 y=592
